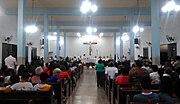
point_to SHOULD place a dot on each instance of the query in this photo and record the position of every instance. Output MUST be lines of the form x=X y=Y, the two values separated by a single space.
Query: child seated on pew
x=43 y=86
x=147 y=96
x=23 y=85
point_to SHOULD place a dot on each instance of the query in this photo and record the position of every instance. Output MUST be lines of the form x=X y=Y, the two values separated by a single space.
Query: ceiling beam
x=76 y=12
x=107 y=24
x=83 y=30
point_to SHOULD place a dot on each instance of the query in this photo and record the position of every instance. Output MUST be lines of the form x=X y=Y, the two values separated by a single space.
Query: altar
x=89 y=62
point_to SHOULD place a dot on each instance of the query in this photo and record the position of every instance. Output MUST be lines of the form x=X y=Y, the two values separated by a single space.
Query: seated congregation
x=143 y=83
x=51 y=83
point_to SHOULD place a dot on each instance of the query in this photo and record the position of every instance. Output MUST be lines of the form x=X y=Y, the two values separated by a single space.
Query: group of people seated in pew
x=25 y=85
x=143 y=75
x=40 y=80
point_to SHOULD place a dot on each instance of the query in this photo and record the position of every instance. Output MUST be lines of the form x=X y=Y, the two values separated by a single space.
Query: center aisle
x=87 y=91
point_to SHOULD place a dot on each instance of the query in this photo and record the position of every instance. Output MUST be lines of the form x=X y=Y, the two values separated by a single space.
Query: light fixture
x=55 y=33
x=78 y=34
x=141 y=29
x=101 y=34
x=170 y=6
x=177 y=8
x=31 y=28
x=125 y=37
x=89 y=30
x=87 y=6
x=94 y=29
x=137 y=28
x=94 y=8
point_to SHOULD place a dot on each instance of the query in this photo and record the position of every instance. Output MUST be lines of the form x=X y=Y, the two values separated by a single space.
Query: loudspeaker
x=136 y=41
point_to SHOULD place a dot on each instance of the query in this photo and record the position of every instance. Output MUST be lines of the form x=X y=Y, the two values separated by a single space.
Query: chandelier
x=170 y=6
x=88 y=6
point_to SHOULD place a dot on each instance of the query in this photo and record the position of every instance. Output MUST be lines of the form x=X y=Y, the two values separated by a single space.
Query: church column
x=46 y=54
x=58 y=43
x=155 y=21
x=114 y=46
x=20 y=33
x=65 y=44
x=121 y=47
x=131 y=39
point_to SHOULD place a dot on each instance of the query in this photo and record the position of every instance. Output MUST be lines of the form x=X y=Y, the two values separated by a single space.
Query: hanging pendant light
x=88 y=6
x=137 y=28
x=170 y=6
x=31 y=28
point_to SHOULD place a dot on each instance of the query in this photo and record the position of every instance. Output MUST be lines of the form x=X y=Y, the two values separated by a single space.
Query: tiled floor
x=87 y=92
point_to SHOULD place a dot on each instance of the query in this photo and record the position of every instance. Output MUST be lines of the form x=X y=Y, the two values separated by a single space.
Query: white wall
x=35 y=40
x=75 y=47
x=7 y=28
x=144 y=38
x=170 y=25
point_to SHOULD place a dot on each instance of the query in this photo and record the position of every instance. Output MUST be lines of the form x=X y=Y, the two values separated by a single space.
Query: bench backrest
x=27 y=97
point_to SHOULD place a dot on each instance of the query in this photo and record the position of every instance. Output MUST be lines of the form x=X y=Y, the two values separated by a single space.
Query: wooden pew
x=57 y=88
x=122 y=95
x=109 y=89
x=116 y=88
x=27 y=97
x=146 y=103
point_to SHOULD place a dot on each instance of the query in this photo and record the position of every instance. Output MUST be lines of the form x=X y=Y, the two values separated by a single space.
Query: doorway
x=167 y=51
x=145 y=52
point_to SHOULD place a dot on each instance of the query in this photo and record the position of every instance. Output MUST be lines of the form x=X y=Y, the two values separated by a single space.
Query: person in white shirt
x=111 y=72
x=154 y=76
x=23 y=85
x=10 y=62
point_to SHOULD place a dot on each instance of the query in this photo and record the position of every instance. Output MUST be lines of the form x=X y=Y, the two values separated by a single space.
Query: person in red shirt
x=45 y=68
x=63 y=74
x=122 y=77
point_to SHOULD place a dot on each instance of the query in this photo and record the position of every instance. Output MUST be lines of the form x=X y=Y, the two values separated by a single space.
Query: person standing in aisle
x=111 y=72
x=100 y=73
x=10 y=62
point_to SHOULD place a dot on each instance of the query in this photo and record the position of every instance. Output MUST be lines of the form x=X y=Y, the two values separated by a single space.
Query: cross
x=90 y=44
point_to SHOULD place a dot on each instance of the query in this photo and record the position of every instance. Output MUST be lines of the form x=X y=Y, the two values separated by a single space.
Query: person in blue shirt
x=147 y=96
x=55 y=78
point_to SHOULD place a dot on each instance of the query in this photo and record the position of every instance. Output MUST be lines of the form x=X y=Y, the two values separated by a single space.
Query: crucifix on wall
x=90 y=46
